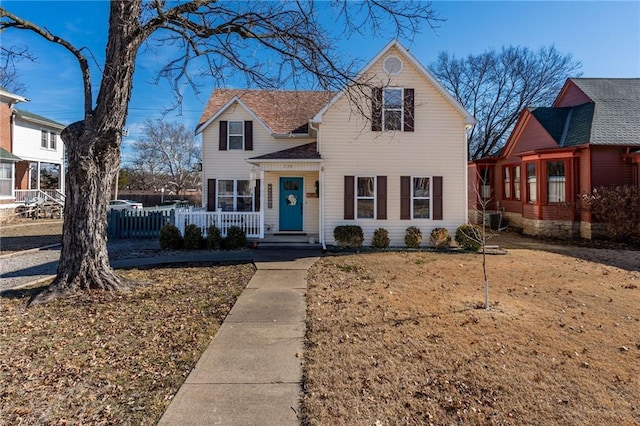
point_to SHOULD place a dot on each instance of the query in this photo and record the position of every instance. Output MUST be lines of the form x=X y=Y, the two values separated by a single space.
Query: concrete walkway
x=251 y=373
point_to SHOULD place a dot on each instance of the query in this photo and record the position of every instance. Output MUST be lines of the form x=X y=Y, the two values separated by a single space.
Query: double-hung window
x=556 y=182
x=44 y=139
x=234 y=195
x=236 y=135
x=6 y=179
x=516 y=182
x=532 y=185
x=53 y=140
x=511 y=182
x=421 y=198
x=392 y=108
x=365 y=197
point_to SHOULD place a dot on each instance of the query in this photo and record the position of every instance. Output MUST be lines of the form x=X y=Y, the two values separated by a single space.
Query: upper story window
x=48 y=140
x=53 y=141
x=392 y=109
x=392 y=105
x=235 y=135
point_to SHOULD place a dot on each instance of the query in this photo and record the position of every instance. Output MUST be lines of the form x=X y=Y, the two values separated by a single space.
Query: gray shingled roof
x=302 y=152
x=35 y=117
x=568 y=126
x=616 y=119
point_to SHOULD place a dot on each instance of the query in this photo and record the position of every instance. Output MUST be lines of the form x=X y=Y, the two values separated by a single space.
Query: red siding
x=533 y=136
x=571 y=96
x=608 y=168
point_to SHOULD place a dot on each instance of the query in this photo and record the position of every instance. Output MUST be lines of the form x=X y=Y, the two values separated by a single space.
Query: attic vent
x=392 y=65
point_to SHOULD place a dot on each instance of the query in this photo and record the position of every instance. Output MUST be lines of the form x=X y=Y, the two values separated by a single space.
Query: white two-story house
x=302 y=163
x=35 y=168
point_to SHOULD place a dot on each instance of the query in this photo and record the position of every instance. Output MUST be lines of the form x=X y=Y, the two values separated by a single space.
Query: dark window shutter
x=211 y=195
x=349 y=188
x=405 y=197
x=248 y=135
x=437 y=198
x=381 y=197
x=376 y=109
x=222 y=143
x=256 y=196
x=408 y=110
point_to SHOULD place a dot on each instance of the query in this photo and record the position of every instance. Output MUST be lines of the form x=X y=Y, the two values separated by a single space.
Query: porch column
x=321 y=208
x=262 y=203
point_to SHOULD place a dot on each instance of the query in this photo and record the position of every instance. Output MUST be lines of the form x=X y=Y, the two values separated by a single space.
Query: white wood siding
x=232 y=164
x=437 y=147
x=26 y=143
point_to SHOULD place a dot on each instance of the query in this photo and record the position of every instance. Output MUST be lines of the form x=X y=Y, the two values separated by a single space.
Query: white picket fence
x=248 y=221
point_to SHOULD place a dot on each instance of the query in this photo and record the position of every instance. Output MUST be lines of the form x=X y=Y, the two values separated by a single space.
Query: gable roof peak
x=394 y=43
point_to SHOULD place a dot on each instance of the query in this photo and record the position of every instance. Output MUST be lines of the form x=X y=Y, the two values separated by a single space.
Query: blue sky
x=603 y=36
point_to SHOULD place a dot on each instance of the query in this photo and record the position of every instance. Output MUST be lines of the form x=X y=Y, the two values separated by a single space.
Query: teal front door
x=291 y=203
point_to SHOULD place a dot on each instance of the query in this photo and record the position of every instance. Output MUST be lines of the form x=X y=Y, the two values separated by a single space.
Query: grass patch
x=561 y=344
x=111 y=358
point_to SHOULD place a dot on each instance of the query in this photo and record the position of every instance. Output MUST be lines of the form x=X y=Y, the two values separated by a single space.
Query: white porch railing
x=26 y=195
x=248 y=221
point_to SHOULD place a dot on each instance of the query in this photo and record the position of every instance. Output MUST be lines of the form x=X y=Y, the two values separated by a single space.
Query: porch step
x=285 y=245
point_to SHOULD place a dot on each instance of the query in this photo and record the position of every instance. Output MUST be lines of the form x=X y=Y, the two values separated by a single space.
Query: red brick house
x=590 y=137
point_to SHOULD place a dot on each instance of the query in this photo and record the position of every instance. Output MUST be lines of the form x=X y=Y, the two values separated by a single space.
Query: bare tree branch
x=496 y=86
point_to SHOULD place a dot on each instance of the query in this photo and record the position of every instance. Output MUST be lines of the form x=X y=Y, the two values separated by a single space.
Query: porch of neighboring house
x=39 y=188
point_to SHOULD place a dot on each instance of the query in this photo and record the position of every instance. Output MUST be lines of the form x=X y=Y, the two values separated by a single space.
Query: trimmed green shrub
x=214 y=238
x=170 y=237
x=413 y=237
x=440 y=238
x=469 y=237
x=193 y=237
x=380 y=238
x=348 y=236
x=236 y=238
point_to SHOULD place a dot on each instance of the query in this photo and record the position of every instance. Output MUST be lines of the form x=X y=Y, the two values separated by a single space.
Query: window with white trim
x=421 y=198
x=53 y=140
x=392 y=102
x=44 y=139
x=235 y=135
x=365 y=197
x=234 y=195
x=6 y=179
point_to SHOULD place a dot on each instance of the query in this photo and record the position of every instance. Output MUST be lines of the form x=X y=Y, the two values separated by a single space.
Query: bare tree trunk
x=93 y=146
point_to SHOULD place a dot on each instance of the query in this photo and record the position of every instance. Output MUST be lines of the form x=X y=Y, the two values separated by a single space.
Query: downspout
x=321 y=195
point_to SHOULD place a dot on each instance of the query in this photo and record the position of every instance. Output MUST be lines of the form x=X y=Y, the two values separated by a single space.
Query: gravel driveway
x=20 y=268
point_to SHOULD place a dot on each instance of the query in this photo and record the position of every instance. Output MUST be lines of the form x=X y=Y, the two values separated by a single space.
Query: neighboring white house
x=32 y=160
x=303 y=163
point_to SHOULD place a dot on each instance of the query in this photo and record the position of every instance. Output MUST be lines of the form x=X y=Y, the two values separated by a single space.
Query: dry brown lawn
x=111 y=358
x=400 y=338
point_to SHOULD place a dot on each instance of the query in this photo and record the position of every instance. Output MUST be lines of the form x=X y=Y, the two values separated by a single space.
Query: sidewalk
x=251 y=373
